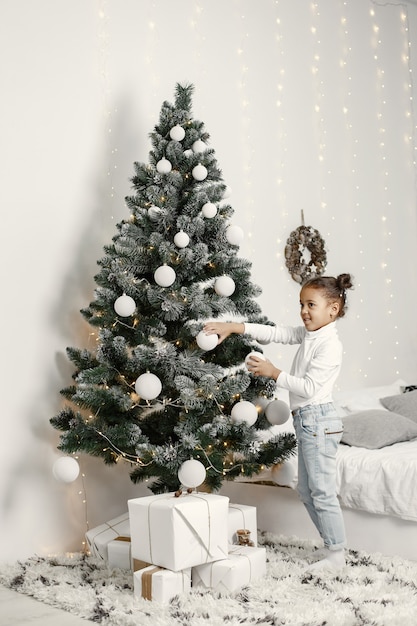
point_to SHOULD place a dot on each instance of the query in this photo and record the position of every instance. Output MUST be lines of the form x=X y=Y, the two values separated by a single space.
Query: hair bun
x=344 y=281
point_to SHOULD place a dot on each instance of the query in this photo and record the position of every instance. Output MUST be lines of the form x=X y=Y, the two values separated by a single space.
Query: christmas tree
x=155 y=391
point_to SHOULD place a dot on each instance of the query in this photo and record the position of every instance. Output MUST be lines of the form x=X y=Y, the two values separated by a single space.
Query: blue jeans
x=319 y=430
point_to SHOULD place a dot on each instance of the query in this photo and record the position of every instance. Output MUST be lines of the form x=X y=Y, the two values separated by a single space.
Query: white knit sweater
x=316 y=364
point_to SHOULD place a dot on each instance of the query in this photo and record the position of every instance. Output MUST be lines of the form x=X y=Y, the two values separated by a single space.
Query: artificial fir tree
x=153 y=392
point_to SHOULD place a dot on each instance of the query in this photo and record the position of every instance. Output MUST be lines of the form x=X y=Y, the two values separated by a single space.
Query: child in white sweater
x=310 y=382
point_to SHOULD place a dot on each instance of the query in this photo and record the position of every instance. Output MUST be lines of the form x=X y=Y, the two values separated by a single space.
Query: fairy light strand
x=319 y=95
x=385 y=96
x=281 y=134
x=103 y=37
x=247 y=151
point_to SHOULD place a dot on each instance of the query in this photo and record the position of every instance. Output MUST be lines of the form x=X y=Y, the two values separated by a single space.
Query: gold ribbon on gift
x=147 y=582
x=137 y=563
x=121 y=538
x=109 y=527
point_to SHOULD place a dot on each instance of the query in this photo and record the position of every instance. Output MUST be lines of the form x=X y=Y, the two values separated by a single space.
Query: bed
x=376 y=475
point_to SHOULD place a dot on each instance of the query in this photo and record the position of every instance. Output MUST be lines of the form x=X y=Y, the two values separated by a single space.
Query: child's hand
x=262 y=367
x=222 y=329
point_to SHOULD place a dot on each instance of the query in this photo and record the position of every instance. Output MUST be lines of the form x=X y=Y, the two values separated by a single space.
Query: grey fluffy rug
x=372 y=590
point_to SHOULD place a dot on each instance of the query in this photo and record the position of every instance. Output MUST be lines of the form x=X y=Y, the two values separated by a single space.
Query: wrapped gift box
x=242 y=566
x=99 y=537
x=120 y=555
x=242 y=516
x=179 y=532
x=157 y=583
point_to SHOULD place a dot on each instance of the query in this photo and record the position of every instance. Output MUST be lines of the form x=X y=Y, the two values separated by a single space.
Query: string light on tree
x=180 y=402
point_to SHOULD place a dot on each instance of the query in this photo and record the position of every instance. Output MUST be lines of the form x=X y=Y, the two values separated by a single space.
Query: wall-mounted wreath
x=305 y=253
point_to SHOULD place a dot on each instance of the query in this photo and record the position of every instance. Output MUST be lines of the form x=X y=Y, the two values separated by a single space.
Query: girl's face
x=316 y=310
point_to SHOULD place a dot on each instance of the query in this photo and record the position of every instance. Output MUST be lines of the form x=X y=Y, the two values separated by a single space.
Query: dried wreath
x=301 y=239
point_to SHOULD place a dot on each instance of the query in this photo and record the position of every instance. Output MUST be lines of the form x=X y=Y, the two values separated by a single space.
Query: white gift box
x=157 y=583
x=243 y=565
x=98 y=538
x=242 y=516
x=179 y=532
x=120 y=555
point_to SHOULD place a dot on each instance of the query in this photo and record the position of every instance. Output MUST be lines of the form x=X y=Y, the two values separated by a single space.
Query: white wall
x=309 y=106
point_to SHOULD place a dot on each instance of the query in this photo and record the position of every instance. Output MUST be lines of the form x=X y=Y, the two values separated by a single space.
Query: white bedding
x=380 y=481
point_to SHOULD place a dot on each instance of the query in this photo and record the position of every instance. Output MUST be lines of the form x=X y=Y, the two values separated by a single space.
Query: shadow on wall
x=107 y=488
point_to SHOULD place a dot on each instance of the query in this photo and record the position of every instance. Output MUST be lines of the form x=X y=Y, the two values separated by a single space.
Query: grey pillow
x=405 y=404
x=377 y=428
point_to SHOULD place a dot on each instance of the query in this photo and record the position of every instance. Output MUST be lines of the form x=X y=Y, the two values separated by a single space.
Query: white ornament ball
x=254 y=353
x=206 y=342
x=192 y=473
x=164 y=166
x=227 y=192
x=188 y=153
x=181 y=239
x=224 y=286
x=244 y=411
x=154 y=212
x=177 y=133
x=283 y=474
x=277 y=412
x=164 y=275
x=148 y=386
x=65 y=469
x=234 y=235
x=199 y=172
x=209 y=209
x=124 y=306
x=199 y=146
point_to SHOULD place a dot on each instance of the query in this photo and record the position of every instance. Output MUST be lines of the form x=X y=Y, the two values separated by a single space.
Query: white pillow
x=367 y=398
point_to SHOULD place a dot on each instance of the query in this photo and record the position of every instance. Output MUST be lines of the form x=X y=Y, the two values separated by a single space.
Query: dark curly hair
x=334 y=288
